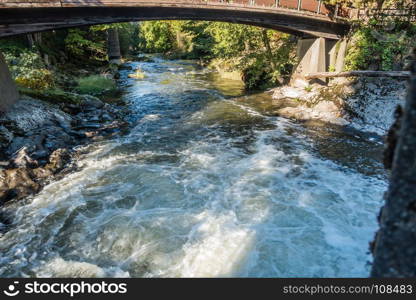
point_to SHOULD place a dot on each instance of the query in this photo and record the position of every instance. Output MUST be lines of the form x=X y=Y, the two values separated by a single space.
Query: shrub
x=28 y=69
x=95 y=85
x=377 y=48
x=38 y=79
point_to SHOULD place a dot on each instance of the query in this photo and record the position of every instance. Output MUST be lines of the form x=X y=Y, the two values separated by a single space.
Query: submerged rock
x=144 y=59
x=289 y=92
x=91 y=101
x=6 y=136
x=138 y=74
x=125 y=67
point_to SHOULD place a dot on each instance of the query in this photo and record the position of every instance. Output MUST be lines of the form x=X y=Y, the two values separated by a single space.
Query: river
x=209 y=182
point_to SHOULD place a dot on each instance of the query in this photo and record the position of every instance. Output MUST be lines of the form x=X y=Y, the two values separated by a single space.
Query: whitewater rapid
x=208 y=183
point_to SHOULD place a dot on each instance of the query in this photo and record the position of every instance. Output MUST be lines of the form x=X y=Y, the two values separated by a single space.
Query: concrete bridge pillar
x=314 y=56
x=113 y=46
x=8 y=90
x=340 y=55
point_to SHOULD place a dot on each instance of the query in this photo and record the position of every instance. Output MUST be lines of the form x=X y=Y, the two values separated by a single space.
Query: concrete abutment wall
x=318 y=55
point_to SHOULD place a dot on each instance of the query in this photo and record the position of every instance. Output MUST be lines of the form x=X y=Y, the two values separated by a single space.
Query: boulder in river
x=91 y=102
x=58 y=159
x=17 y=183
x=23 y=160
x=6 y=136
x=364 y=103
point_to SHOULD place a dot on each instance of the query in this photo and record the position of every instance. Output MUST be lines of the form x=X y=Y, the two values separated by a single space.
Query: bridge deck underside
x=21 y=20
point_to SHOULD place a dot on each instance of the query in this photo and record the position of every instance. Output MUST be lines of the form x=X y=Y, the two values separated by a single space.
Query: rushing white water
x=204 y=186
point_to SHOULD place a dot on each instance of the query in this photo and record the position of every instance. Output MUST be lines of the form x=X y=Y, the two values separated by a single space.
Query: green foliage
x=55 y=96
x=156 y=36
x=260 y=56
x=181 y=39
x=232 y=39
x=26 y=65
x=128 y=35
x=264 y=56
x=38 y=79
x=191 y=39
x=95 y=85
x=86 y=44
x=65 y=52
x=12 y=46
x=375 y=48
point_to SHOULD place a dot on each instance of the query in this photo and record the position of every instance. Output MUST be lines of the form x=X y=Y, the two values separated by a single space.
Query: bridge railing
x=311 y=6
x=316 y=7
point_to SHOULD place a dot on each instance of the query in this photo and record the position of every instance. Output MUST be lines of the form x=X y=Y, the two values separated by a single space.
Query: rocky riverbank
x=365 y=103
x=37 y=139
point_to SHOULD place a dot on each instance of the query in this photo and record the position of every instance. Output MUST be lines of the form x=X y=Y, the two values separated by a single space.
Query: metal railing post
x=299 y=4
x=319 y=7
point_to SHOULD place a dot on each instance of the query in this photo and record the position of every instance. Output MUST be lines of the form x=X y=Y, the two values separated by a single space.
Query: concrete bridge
x=299 y=17
x=317 y=26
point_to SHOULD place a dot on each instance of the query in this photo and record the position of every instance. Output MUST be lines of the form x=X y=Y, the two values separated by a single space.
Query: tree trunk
x=380 y=4
x=38 y=37
x=8 y=90
x=266 y=42
x=395 y=243
x=34 y=38
x=113 y=46
x=30 y=41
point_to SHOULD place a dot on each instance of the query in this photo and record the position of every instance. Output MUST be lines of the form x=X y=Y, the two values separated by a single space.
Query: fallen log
x=399 y=74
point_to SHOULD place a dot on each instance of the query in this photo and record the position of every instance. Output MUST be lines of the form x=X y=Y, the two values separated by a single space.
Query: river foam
x=222 y=191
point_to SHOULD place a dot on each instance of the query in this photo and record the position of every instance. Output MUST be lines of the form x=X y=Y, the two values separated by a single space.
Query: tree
x=395 y=244
x=85 y=44
x=156 y=36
